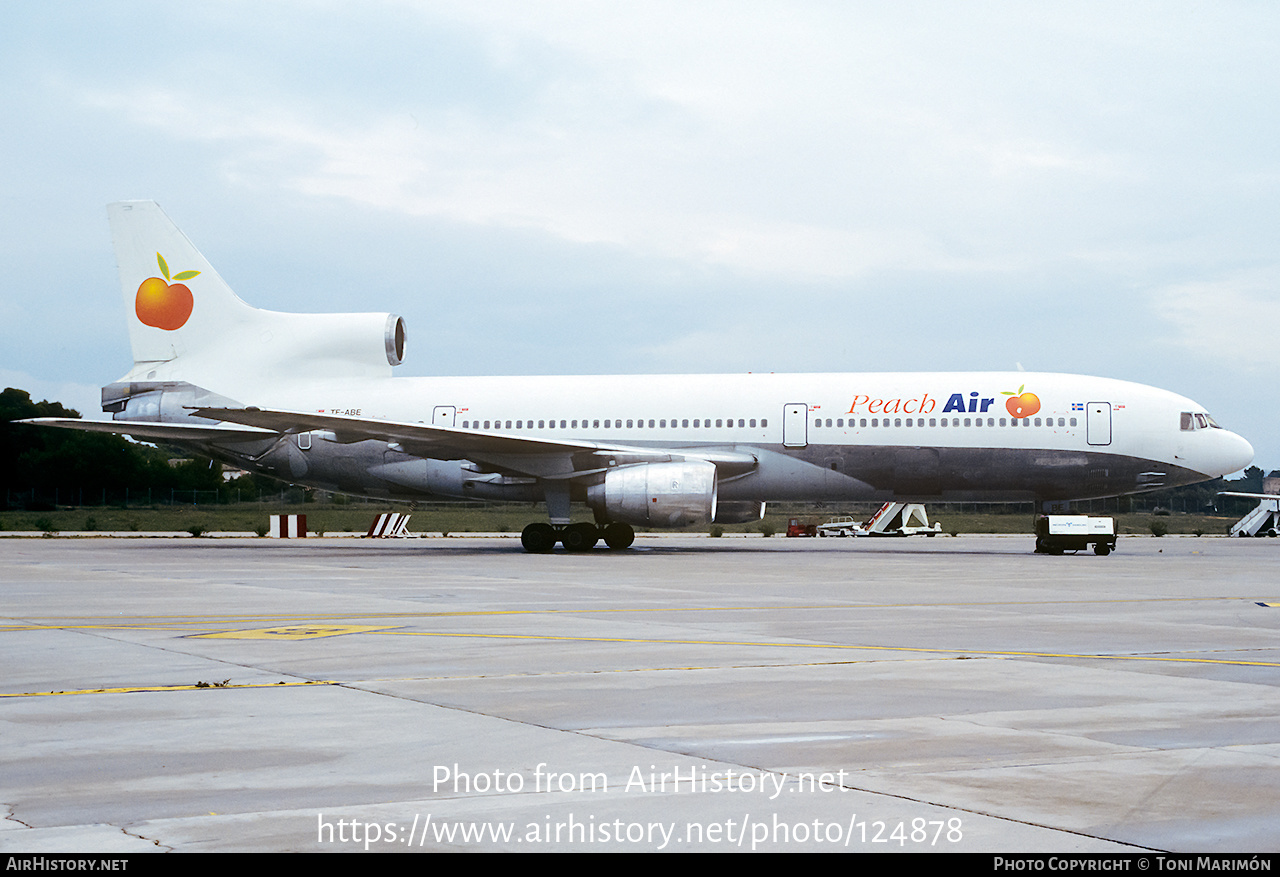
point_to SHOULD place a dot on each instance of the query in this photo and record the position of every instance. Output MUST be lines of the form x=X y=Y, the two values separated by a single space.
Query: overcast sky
x=577 y=187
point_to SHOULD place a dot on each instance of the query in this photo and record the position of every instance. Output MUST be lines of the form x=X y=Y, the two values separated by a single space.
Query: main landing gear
x=541 y=538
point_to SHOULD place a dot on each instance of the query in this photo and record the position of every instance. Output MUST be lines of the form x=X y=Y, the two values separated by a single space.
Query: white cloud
x=812 y=141
x=1226 y=319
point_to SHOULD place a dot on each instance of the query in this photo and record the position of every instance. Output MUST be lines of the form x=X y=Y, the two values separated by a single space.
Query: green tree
x=43 y=458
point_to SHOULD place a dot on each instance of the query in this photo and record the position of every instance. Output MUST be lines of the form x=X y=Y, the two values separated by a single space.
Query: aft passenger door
x=795 y=425
x=1097 y=423
x=443 y=415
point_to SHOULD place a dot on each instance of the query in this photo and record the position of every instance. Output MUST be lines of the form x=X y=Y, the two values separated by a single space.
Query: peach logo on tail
x=163 y=304
x=1021 y=404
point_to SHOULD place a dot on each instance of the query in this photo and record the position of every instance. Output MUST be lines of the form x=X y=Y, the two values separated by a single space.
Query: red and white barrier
x=391 y=525
x=288 y=526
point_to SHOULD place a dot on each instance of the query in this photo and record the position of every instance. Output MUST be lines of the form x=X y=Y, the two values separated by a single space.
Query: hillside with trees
x=39 y=463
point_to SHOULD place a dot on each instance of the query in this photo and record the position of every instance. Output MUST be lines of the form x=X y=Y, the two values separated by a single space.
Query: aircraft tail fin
x=161 y=272
x=186 y=324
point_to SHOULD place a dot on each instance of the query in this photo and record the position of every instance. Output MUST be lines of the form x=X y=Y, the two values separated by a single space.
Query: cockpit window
x=1193 y=420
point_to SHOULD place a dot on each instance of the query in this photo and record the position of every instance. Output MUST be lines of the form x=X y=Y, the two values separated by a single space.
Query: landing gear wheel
x=538 y=538
x=579 y=537
x=619 y=536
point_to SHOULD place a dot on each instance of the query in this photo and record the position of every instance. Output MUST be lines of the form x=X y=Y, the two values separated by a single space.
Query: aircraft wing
x=152 y=431
x=525 y=455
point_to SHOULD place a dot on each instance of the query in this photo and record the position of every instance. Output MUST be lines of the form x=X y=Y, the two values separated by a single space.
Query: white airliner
x=309 y=398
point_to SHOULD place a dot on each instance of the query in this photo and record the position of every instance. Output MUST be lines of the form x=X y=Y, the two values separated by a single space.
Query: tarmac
x=954 y=694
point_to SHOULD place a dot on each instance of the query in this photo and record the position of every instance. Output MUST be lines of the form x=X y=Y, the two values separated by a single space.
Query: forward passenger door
x=1098 y=423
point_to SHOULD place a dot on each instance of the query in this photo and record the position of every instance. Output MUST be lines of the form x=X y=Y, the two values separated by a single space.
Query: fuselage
x=943 y=436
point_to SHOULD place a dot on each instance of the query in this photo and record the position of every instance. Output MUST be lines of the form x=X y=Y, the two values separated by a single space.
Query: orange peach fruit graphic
x=162 y=304
x=1022 y=404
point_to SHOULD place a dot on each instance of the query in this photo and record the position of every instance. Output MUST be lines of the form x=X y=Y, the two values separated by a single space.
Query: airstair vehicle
x=893 y=519
x=1262 y=521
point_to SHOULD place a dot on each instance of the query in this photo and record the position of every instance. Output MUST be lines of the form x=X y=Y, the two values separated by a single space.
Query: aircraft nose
x=1231 y=453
